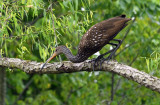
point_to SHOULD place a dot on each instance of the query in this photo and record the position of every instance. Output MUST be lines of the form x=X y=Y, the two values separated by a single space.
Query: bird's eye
x=56 y=50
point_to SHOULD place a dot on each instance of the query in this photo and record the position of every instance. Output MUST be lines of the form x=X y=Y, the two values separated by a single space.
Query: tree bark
x=128 y=72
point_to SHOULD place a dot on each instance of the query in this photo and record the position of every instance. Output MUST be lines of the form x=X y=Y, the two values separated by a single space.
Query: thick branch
x=68 y=67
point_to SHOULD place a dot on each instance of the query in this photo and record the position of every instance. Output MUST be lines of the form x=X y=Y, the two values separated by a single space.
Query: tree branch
x=68 y=67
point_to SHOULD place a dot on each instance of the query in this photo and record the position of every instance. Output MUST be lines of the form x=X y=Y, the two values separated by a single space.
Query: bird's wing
x=101 y=33
x=92 y=39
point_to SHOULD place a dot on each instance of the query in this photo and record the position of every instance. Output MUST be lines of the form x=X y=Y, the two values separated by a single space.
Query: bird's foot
x=97 y=62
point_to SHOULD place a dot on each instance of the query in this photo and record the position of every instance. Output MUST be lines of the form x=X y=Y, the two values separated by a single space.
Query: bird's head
x=58 y=50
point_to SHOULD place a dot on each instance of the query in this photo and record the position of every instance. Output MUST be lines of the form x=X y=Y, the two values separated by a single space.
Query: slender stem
x=112 y=89
x=24 y=90
x=55 y=30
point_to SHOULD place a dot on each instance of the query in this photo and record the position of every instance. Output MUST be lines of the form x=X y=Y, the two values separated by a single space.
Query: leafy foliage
x=31 y=29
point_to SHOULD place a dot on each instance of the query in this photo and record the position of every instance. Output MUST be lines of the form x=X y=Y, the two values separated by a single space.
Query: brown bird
x=94 y=40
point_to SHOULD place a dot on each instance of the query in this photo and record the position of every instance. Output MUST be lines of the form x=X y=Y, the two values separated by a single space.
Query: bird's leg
x=95 y=61
x=100 y=57
x=115 y=49
x=112 y=51
x=118 y=45
x=118 y=40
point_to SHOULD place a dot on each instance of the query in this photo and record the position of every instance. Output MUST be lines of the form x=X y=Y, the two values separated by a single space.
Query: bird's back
x=100 y=34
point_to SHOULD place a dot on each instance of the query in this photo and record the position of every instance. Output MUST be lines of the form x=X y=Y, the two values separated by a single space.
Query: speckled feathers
x=100 y=34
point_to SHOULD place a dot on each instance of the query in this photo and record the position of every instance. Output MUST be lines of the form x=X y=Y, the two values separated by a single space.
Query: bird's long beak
x=53 y=56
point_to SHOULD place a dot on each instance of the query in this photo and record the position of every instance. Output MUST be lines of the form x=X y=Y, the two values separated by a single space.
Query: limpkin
x=94 y=40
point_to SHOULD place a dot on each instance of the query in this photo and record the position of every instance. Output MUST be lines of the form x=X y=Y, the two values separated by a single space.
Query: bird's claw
x=97 y=62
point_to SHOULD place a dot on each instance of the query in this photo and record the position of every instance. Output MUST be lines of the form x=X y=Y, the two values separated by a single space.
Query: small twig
x=128 y=30
x=112 y=87
x=17 y=36
x=134 y=59
x=124 y=49
x=11 y=2
x=70 y=93
x=24 y=90
x=118 y=83
x=123 y=96
x=34 y=21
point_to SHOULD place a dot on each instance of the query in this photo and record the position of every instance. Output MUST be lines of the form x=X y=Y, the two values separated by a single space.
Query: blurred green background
x=31 y=29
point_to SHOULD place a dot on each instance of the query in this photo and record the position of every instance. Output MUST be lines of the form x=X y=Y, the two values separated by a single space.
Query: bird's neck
x=75 y=59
